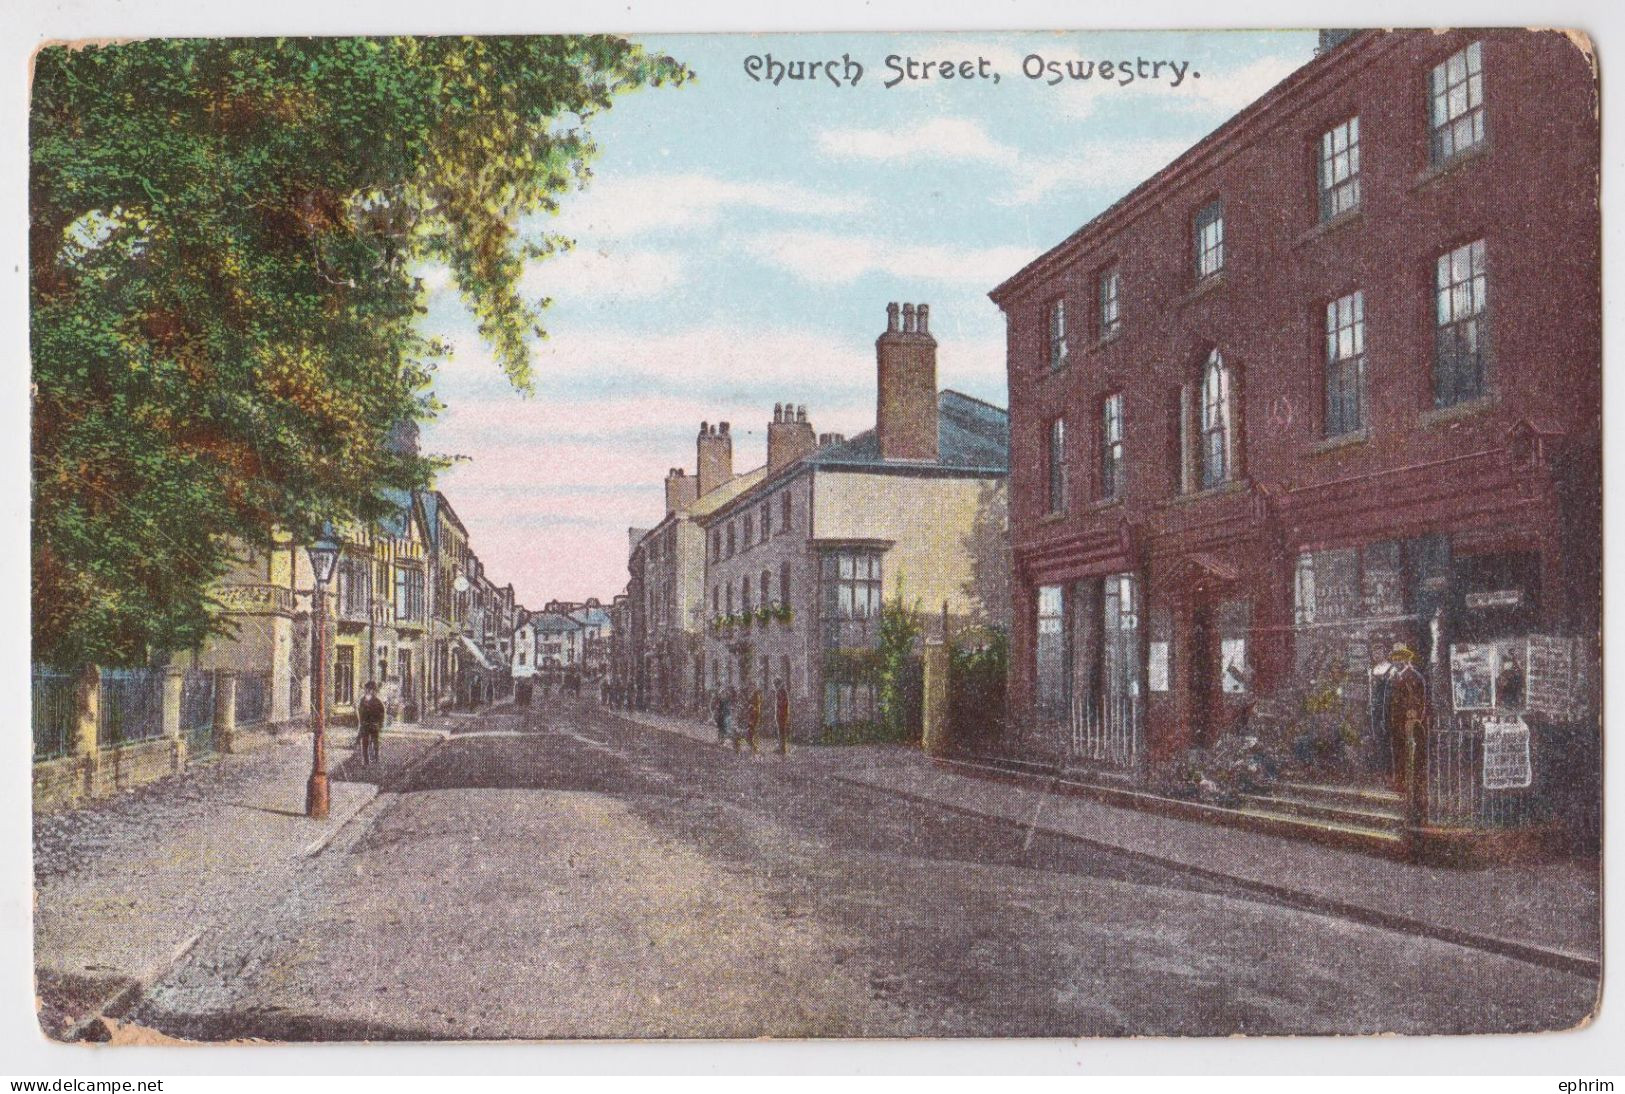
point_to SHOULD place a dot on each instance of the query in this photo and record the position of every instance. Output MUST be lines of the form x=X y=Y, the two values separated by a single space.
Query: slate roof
x=554 y=623
x=971 y=436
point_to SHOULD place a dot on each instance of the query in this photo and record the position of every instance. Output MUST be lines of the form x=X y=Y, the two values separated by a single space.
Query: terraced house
x=1314 y=409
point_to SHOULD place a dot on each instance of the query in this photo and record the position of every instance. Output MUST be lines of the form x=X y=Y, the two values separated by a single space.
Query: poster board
x=1549 y=681
x=1233 y=656
x=1472 y=676
x=1157 y=667
x=1507 y=763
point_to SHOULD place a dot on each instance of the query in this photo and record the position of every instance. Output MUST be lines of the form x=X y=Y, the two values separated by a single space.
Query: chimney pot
x=722 y=427
x=778 y=412
x=924 y=314
x=891 y=316
x=908 y=318
x=801 y=413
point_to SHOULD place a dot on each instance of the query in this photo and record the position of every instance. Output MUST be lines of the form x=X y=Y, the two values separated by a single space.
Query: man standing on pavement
x=370 y=713
x=782 y=711
x=755 y=717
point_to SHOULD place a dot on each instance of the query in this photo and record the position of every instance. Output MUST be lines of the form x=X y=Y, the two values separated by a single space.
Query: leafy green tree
x=899 y=632
x=224 y=313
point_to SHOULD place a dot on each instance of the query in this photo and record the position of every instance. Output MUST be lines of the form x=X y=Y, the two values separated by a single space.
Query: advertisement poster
x=1472 y=677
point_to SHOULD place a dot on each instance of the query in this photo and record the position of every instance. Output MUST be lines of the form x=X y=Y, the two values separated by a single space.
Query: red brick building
x=1327 y=383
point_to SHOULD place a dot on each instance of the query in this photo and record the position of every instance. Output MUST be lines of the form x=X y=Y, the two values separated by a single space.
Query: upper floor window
x=1215 y=457
x=744 y=593
x=1345 y=365
x=716 y=543
x=750 y=525
x=784 y=583
x=767 y=520
x=1112 y=465
x=1460 y=363
x=1055 y=466
x=1108 y=293
x=408 y=593
x=852 y=584
x=1210 y=240
x=1057 y=333
x=733 y=545
x=1456 y=93
x=784 y=511
x=1340 y=169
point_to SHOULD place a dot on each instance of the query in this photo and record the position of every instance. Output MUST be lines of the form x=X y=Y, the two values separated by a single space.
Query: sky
x=739 y=240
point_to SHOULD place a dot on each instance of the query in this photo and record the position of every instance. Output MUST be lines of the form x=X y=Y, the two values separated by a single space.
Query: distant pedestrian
x=782 y=711
x=755 y=718
x=719 y=711
x=370 y=715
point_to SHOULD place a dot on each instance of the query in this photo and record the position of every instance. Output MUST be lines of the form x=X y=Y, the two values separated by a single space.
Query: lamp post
x=324 y=555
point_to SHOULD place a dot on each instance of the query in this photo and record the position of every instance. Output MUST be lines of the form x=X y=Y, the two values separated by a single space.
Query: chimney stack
x=906 y=374
x=681 y=490
x=714 y=457
x=789 y=436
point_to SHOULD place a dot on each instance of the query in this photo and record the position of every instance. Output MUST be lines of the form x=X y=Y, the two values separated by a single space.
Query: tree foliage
x=224 y=314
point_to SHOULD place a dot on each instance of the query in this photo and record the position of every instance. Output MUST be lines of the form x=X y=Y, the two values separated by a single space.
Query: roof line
x=1313 y=69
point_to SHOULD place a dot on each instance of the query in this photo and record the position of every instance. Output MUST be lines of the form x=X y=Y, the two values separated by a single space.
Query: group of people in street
x=728 y=715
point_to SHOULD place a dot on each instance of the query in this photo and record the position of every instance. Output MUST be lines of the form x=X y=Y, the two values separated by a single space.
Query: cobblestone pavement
x=565 y=873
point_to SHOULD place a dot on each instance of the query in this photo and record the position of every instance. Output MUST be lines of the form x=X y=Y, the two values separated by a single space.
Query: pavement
x=175 y=857
x=573 y=872
x=1550 y=912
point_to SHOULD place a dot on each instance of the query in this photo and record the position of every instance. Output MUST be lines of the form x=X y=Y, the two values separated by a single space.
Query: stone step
x=1365 y=814
x=1378 y=797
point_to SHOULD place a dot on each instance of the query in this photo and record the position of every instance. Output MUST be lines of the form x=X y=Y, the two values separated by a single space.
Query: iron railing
x=132 y=706
x=55 y=712
x=253 y=698
x=1107 y=732
x=1456 y=795
x=197 y=710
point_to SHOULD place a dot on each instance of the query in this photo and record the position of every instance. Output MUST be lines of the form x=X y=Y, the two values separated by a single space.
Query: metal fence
x=132 y=706
x=55 y=712
x=253 y=698
x=197 y=710
x=1456 y=796
x=1108 y=732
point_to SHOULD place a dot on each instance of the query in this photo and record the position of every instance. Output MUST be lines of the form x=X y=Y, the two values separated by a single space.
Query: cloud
x=1116 y=168
x=636 y=205
x=829 y=259
x=939 y=138
x=602 y=272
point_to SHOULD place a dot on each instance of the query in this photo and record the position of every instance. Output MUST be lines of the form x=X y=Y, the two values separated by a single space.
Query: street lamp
x=324 y=556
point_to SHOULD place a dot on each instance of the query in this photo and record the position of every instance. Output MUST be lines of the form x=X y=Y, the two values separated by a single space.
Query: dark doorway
x=1204 y=675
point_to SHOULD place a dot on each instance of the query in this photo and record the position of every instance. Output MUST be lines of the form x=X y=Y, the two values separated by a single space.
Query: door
x=1204 y=683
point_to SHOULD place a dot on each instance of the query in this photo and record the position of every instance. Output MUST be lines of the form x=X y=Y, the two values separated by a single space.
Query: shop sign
x=1495 y=598
x=1506 y=754
x=1472 y=677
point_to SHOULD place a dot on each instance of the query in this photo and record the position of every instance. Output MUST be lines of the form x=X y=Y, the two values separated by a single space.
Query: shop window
x=1340 y=169
x=344 y=675
x=1345 y=365
x=1054 y=663
x=1456 y=103
x=1460 y=365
